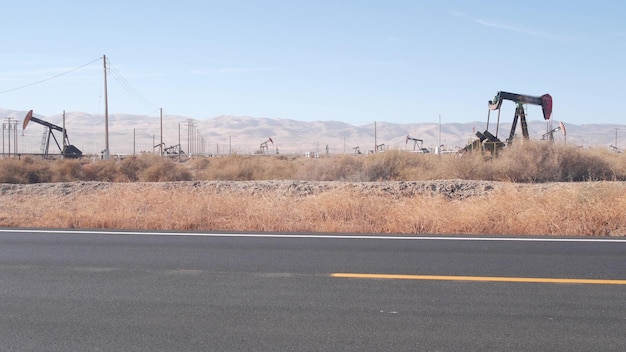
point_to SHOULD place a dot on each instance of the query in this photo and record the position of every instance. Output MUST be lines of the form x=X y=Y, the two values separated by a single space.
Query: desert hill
x=243 y=135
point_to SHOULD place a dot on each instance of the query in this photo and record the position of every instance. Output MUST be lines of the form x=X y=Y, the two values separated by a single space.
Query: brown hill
x=242 y=134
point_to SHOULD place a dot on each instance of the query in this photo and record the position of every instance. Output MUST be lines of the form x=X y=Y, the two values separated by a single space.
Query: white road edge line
x=320 y=236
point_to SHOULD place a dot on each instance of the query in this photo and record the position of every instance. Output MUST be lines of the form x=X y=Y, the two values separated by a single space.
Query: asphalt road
x=135 y=292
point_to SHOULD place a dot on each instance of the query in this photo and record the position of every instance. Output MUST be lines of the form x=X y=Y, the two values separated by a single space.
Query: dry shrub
x=470 y=166
x=271 y=167
x=102 y=170
x=385 y=166
x=197 y=166
x=426 y=167
x=36 y=171
x=523 y=162
x=393 y=165
x=527 y=161
x=132 y=167
x=539 y=161
x=10 y=171
x=334 y=168
x=233 y=167
x=164 y=170
x=617 y=162
x=247 y=168
x=26 y=170
x=280 y=168
x=68 y=171
x=586 y=165
x=396 y=165
x=152 y=168
x=31 y=170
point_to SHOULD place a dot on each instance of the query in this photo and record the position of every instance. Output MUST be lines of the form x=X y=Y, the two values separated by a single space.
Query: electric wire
x=50 y=78
x=115 y=73
x=112 y=71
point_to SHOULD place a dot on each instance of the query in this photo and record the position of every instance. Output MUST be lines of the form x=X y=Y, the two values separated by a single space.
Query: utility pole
x=375 y=138
x=15 y=136
x=189 y=136
x=10 y=125
x=9 y=137
x=161 y=145
x=439 y=136
x=64 y=135
x=106 y=112
x=198 y=142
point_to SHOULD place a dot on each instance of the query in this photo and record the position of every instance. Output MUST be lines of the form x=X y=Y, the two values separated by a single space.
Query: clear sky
x=355 y=61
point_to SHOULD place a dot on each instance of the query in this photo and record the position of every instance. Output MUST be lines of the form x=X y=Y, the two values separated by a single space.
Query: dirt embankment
x=453 y=189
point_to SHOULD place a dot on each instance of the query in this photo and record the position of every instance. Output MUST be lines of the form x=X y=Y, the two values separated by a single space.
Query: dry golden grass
x=592 y=209
x=526 y=162
x=542 y=189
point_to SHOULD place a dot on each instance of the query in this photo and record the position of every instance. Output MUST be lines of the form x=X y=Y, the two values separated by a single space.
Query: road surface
x=116 y=291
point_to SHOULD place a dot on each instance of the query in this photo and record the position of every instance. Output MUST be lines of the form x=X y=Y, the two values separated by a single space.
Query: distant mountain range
x=244 y=135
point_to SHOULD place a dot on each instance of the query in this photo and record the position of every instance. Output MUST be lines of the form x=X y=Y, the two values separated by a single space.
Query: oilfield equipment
x=160 y=146
x=415 y=142
x=263 y=148
x=67 y=150
x=489 y=141
x=357 y=150
x=174 y=150
x=550 y=134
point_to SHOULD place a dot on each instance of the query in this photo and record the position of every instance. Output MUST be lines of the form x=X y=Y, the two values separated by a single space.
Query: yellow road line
x=479 y=278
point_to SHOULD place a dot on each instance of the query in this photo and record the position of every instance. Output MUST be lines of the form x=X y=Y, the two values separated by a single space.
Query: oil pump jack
x=415 y=141
x=264 y=149
x=67 y=150
x=490 y=141
x=550 y=134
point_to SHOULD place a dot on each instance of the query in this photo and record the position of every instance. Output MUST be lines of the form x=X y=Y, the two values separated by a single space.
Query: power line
x=130 y=89
x=113 y=73
x=50 y=78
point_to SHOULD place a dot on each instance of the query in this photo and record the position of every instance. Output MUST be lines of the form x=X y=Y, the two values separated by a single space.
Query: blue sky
x=353 y=61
